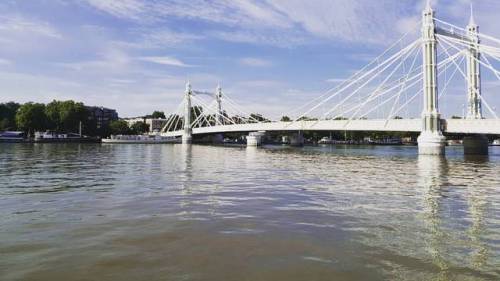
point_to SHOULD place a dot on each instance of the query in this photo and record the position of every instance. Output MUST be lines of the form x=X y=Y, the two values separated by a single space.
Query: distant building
x=101 y=115
x=131 y=121
x=155 y=125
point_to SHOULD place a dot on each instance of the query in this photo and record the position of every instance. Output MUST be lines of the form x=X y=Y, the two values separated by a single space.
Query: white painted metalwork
x=385 y=87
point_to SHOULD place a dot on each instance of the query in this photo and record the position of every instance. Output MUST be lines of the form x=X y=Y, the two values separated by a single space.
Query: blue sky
x=136 y=55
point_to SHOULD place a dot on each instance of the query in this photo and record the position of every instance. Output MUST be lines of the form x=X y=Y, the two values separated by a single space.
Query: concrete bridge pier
x=187 y=138
x=475 y=145
x=217 y=139
x=297 y=139
x=255 y=138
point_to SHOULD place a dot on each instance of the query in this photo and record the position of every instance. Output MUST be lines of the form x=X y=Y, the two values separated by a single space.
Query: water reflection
x=454 y=216
x=275 y=213
x=433 y=173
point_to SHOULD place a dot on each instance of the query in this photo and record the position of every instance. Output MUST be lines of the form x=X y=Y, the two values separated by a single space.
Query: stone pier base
x=297 y=139
x=475 y=145
x=255 y=138
x=431 y=143
x=187 y=139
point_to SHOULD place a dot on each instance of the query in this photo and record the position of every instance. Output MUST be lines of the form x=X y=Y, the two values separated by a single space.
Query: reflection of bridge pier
x=478 y=208
x=443 y=210
x=433 y=172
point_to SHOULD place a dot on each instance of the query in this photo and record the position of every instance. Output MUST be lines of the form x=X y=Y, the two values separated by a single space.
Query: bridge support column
x=218 y=99
x=297 y=139
x=431 y=140
x=218 y=139
x=255 y=138
x=187 y=135
x=474 y=104
x=476 y=145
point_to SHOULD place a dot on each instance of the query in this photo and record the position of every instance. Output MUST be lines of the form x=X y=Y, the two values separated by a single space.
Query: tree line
x=59 y=116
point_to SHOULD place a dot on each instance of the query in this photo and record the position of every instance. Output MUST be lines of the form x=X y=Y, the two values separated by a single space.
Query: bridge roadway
x=453 y=126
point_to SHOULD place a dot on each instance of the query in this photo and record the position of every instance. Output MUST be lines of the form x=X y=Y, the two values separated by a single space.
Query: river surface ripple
x=174 y=212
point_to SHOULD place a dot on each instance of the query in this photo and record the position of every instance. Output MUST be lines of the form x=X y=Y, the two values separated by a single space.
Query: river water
x=174 y=212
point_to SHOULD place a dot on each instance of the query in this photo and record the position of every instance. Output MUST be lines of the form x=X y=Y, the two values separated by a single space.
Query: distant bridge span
x=453 y=126
x=388 y=84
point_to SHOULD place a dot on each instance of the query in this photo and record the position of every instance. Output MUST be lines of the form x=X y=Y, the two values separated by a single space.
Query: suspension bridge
x=403 y=80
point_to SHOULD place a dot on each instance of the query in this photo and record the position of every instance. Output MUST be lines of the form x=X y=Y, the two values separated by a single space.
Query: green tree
x=8 y=115
x=257 y=117
x=285 y=119
x=71 y=114
x=119 y=127
x=31 y=117
x=53 y=116
x=158 y=115
x=139 y=128
x=66 y=115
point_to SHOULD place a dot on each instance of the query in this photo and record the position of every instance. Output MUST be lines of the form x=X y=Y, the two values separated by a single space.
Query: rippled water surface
x=173 y=212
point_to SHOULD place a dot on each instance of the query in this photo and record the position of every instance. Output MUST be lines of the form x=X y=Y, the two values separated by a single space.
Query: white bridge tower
x=474 y=110
x=431 y=139
x=187 y=135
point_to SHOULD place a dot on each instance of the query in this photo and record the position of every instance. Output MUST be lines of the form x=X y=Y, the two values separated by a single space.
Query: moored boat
x=496 y=142
x=146 y=139
x=454 y=142
x=53 y=137
x=12 y=136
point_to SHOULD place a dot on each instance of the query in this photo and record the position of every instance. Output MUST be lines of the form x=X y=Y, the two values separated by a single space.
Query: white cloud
x=164 y=37
x=231 y=12
x=255 y=62
x=5 y=61
x=252 y=37
x=165 y=61
x=15 y=25
x=335 y=80
x=360 y=21
x=123 y=8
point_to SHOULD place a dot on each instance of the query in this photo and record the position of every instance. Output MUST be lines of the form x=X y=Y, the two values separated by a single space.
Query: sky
x=136 y=55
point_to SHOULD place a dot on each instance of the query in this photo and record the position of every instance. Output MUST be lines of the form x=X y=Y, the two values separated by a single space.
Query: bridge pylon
x=474 y=106
x=187 y=135
x=431 y=140
x=476 y=144
x=218 y=99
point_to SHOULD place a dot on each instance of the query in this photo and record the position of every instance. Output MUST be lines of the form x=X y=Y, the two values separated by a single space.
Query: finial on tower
x=472 y=22
x=428 y=6
x=188 y=86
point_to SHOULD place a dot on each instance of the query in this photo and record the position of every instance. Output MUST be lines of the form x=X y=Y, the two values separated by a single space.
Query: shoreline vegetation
x=67 y=117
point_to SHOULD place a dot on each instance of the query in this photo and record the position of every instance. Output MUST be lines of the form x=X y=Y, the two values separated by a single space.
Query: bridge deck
x=481 y=126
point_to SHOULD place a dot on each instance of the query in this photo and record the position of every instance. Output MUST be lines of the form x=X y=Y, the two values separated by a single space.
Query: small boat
x=326 y=140
x=53 y=137
x=388 y=141
x=12 y=136
x=496 y=142
x=146 y=139
x=454 y=142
